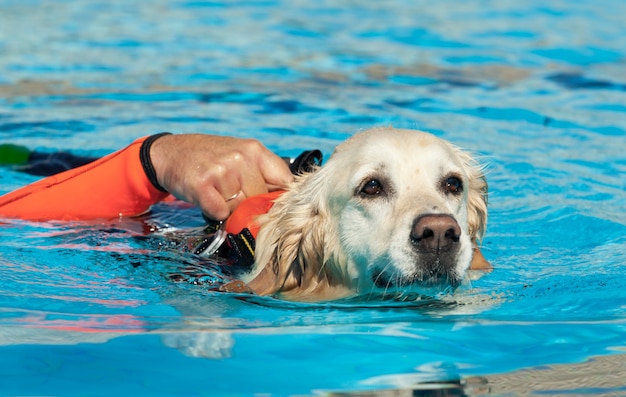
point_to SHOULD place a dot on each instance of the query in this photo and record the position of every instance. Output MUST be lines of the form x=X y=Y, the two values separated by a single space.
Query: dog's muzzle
x=436 y=243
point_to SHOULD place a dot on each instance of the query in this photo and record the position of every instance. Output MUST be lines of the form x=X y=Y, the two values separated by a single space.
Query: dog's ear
x=290 y=244
x=477 y=211
x=477 y=218
x=477 y=204
x=478 y=260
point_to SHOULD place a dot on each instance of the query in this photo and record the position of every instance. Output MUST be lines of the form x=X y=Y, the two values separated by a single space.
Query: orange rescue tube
x=246 y=213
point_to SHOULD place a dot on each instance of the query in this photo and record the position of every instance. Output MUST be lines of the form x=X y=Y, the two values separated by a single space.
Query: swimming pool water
x=536 y=89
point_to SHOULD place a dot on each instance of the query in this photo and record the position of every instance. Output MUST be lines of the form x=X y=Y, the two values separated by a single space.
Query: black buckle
x=238 y=248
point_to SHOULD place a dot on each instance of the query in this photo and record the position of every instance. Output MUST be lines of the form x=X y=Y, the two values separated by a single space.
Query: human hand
x=216 y=173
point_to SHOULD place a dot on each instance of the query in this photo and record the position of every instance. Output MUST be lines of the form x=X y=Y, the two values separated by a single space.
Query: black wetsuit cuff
x=146 y=161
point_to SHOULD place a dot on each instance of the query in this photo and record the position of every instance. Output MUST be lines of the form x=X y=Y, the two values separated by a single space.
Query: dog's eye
x=372 y=188
x=453 y=185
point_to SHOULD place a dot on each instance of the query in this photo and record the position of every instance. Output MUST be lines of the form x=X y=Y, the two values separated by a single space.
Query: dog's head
x=390 y=209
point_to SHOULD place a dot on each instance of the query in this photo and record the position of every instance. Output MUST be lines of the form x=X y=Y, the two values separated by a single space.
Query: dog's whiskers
x=378 y=278
x=389 y=283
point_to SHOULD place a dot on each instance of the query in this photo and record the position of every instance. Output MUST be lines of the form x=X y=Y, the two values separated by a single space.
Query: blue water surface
x=535 y=89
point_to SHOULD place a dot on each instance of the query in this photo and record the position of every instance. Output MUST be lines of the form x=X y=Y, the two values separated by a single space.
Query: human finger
x=274 y=171
x=234 y=201
x=214 y=205
x=252 y=182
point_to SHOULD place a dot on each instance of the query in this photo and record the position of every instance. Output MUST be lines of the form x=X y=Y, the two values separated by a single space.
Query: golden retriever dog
x=392 y=211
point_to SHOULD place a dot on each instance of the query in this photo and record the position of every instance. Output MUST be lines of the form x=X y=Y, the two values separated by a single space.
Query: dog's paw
x=236 y=286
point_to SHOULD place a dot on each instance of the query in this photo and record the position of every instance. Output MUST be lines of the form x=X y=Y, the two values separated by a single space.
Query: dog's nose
x=436 y=232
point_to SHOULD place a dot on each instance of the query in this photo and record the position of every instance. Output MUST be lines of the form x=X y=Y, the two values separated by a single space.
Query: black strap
x=242 y=247
x=306 y=162
x=146 y=161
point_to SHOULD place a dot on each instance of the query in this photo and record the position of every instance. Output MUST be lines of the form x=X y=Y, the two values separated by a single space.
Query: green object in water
x=13 y=154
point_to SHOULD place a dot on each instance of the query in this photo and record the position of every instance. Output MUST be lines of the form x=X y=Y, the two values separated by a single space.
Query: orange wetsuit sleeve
x=118 y=185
